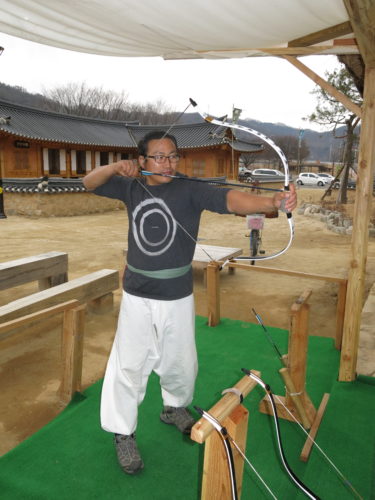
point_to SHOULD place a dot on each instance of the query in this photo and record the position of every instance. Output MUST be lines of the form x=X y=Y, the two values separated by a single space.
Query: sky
x=267 y=89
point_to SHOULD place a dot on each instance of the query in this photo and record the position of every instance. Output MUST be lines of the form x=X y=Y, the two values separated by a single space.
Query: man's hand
x=286 y=201
x=100 y=175
x=126 y=168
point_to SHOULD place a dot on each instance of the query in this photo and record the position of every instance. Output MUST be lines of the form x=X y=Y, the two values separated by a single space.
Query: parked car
x=330 y=178
x=244 y=173
x=309 y=178
x=266 y=171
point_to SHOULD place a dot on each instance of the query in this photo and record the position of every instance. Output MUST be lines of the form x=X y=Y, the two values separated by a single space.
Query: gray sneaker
x=180 y=417
x=128 y=453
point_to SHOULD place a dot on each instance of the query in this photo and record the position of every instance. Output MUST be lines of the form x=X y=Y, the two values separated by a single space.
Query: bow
x=222 y=123
x=291 y=474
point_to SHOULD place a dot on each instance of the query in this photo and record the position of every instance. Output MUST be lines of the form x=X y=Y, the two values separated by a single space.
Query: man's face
x=163 y=148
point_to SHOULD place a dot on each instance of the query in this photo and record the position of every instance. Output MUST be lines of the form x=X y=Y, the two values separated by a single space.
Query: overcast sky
x=265 y=88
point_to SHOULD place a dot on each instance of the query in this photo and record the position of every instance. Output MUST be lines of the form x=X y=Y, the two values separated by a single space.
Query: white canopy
x=182 y=29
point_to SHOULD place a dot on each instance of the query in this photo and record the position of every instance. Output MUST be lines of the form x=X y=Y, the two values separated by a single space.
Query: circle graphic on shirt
x=154 y=227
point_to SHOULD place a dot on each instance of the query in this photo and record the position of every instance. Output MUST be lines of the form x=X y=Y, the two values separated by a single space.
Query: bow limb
x=289 y=471
x=284 y=161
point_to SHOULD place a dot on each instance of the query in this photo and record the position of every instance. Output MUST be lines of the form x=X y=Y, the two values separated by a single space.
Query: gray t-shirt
x=156 y=240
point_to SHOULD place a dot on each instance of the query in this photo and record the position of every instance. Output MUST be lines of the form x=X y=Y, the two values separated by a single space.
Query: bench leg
x=72 y=352
x=50 y=281
x=102 y=304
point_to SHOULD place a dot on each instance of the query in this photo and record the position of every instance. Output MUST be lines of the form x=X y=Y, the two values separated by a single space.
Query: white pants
x=152 y=335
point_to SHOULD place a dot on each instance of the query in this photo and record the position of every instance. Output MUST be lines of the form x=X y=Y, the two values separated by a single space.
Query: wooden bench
x=49 y=269
x=96 y=288
x=71 y=341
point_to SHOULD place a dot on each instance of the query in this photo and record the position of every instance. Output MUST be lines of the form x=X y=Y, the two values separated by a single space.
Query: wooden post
x=213 y=293
x=295 y=378
x=340 y=313
x=233 y=416
x=216 y=479
x=72 y=352
x=359 y=244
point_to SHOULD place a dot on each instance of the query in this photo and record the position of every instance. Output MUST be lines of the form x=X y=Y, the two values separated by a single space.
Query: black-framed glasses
x=162 y=158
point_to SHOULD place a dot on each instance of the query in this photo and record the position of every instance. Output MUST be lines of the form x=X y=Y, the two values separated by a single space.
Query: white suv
x=310 y=178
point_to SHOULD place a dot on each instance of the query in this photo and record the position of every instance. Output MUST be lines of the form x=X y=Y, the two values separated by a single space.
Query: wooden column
x=213 y=293
x=216 y=480
x=234 y=417
x=72 y=352
x=340 y=313
x=362 y=207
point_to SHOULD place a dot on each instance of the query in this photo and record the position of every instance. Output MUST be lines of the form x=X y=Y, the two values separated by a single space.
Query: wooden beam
x=83 y=289
x=359 y=242
x=36 y=316
x=223 y=408
x=213 y=293
x=305 y=453
x=362 y=18
x=48 y=268
x=322 y=35
x=339 y=96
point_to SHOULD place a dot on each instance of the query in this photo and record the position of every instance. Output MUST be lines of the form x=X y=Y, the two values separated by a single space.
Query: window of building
x=104 y=157
x=54 y=161
x=81 y=162
x=199 y=168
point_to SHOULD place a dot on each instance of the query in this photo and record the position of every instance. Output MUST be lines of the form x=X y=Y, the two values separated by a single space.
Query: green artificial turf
x=72 y=458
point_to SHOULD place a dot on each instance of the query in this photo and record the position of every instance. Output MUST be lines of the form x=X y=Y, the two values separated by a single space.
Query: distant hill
x=323 y=146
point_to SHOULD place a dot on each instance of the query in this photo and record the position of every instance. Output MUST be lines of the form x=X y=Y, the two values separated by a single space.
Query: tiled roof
x=195 y=135
x=34 y=124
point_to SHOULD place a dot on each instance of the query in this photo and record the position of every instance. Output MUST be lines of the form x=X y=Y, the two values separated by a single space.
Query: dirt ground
x=29 y=361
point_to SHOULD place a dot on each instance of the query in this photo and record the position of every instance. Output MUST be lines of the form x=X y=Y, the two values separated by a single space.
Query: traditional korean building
x=35 y=143
x=49 y=153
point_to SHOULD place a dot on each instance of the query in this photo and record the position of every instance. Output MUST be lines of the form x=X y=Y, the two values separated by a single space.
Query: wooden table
x=214 y=253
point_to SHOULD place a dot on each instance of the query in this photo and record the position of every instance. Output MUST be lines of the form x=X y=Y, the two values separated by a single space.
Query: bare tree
x=289 y=145
x=80 y=100
x=330 y=112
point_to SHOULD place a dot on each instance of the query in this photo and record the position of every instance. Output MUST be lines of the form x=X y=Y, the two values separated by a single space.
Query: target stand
x=296 y=399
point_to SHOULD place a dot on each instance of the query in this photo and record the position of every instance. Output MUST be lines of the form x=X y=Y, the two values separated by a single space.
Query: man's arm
x=100 y=175
x=242 y=203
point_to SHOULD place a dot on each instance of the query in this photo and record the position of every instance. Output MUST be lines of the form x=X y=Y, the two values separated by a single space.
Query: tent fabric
x=182 y=29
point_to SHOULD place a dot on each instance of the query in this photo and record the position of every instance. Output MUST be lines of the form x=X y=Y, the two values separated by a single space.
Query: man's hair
x=151 y=136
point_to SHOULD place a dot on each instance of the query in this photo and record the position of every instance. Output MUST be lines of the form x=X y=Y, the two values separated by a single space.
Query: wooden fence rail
x=213 y=291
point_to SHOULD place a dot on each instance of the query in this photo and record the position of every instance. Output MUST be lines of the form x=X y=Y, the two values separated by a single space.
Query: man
x=156 y=321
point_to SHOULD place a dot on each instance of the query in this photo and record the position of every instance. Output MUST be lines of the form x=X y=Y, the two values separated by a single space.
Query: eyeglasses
x=162 y=159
